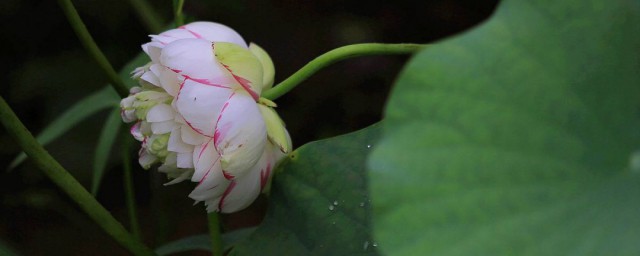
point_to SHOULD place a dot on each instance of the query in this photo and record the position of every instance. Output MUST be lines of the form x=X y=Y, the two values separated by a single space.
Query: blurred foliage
x=46 y=71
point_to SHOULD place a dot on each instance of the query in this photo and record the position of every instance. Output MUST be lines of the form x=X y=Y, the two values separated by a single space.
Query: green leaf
x=319 y=203
x=202 y=242
x=80 y=111
x=515 y=138
x=85 y=108
x=103 y=149
x=198 y=242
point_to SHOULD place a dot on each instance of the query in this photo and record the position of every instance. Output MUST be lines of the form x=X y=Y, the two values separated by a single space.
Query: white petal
x=162 y=127
x=240 y=134
x=185 y=160
x=171 y=35
x=153 y=49
x=128 y=116
x=160 y=113
x=151 y=78
x=191 y=137
x=215 y=32
x=200 y=105
x=194 y=59
x=146 y=159
x=182 y=177
x=175 y=143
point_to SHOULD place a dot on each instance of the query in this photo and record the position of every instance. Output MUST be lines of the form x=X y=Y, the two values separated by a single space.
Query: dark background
x=45 y=70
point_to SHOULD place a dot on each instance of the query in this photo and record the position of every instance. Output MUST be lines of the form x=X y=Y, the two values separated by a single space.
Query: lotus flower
x=198 y=112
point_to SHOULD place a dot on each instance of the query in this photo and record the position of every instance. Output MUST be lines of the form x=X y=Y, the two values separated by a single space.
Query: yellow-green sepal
x=276 y=131
x=245 y=67
x=268 y=69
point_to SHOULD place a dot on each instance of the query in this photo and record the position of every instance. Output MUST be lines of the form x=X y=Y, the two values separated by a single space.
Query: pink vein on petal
x=203 y=149
x=264 y=176
x=208 y=171
x=180 y=88
x=227 y=175
x=246 y=84
x=205 y=82
x=193 y=33
x=198 y=131
x=226 y=193
x=218 y=132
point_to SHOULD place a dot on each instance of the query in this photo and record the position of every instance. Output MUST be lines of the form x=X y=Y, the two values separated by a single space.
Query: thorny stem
x=335 y=55
x=67 y=183
x=91 y=47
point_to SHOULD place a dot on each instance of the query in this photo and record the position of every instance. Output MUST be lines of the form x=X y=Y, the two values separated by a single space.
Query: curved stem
x=177 y=12
x=333 y=56
x=129 y=189
x=91 y=47
x=217 y=248
x=67 y=183
x=148 y=15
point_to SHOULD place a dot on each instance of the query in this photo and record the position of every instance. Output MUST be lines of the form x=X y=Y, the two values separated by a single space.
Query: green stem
x=333 y=56
x=91 y=47
x=214 y=233
x=177 y=8
x=129 y=189
x=67 y=183
x=148 y=15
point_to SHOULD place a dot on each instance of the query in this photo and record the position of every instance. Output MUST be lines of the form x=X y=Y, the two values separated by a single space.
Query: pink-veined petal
x=240 y=134
x=169 y=81
x=200 y=105
x=136 y=132
x=214 y=32
x=191 y=137
x=194 y=59
x=244 y=190
x=205 y=160
x=211 y=182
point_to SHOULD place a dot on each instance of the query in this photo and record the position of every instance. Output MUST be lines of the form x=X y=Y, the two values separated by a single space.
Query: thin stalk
x=129 y=189
x=217 y=248
x=91 y=47
x=148 y=15
x=333 y=56
x=177 y=9
x=67 y=183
